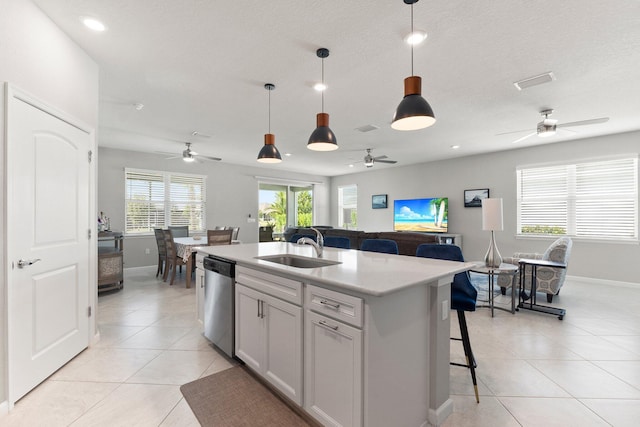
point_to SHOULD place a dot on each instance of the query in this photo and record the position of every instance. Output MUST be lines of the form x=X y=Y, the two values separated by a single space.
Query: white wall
x=232 y=195
x=39 y=58
x=602 y=260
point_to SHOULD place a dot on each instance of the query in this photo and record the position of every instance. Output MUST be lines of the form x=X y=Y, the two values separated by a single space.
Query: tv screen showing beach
x=426 y=215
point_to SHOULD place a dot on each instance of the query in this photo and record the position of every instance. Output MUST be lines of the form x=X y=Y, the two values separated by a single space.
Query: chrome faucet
x=318 y=245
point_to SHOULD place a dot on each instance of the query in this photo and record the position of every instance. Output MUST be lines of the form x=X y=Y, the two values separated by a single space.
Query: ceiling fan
x=549 y=127
x=188 y=155
x=369 y=160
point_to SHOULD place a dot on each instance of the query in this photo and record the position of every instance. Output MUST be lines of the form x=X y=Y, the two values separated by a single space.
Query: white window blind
x=348 y=206
x=158 y=199
x=596 y=199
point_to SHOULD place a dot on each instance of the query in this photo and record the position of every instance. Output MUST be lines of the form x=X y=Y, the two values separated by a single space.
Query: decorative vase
x=492 y=259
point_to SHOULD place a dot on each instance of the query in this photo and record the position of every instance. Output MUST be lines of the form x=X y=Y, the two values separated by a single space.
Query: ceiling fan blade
x=174 y=157
x=202 y=135
x=585 y=122
x=523 y=138
x=386 y=161
x=217 y=159
x=512 y=132
x=193 y=153
x=379 y=158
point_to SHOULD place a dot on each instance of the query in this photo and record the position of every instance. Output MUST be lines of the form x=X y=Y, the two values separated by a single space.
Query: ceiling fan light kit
x=322 y=138
x=414 y=112
x=269 y=153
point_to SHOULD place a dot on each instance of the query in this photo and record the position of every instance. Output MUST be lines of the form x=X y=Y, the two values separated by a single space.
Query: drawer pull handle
x=327 y=303
x=326 y=325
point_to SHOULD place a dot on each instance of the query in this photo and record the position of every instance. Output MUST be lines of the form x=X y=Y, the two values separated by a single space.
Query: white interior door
x=47 y=225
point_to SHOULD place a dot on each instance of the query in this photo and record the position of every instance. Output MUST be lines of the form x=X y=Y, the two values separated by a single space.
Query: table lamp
x=492 y=221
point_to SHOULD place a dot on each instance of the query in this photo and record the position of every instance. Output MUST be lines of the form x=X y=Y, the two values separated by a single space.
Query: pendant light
x=323 y=138
x=414 y=112
x=269 y=153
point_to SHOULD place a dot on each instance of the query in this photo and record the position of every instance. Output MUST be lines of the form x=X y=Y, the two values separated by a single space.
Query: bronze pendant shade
x=322 y=138
x=269 y=153
x=413 y=112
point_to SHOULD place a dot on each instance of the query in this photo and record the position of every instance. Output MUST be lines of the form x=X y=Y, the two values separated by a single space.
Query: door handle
x=22 y=263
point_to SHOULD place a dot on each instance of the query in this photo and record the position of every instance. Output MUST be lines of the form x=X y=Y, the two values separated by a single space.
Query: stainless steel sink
x=298 y=261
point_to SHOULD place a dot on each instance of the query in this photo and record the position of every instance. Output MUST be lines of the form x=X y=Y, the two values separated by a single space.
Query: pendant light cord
x=412 y=36
x=269 y=110
x=322 y=93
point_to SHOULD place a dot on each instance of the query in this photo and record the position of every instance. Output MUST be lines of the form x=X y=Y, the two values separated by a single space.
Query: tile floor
x=534 y=370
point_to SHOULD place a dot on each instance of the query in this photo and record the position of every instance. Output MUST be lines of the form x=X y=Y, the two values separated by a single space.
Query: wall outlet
x=251 y=220
x=445 y=309
x=147 y=251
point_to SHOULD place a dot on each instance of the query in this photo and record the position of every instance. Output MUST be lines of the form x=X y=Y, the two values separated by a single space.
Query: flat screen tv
x=428 y=215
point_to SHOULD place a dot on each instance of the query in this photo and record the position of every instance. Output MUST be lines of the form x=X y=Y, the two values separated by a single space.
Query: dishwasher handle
x=221 y=266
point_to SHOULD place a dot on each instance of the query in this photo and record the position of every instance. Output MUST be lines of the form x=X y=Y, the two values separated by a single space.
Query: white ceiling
x=200 y=65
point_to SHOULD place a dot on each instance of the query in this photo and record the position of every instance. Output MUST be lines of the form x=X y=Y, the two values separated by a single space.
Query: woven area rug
x=233 y=398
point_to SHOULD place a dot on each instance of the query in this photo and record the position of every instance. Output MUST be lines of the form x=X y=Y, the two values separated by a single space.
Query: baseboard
x=603 y=282
x=142 y=268
x=4 y=407
x=437 y=416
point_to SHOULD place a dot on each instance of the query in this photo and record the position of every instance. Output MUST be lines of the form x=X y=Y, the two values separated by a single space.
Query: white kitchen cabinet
x=333 y=371
x=269 y=339
x=200 y=289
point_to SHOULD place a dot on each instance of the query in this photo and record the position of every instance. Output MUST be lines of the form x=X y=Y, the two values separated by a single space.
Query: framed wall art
x=379 y=201
x=473 y=198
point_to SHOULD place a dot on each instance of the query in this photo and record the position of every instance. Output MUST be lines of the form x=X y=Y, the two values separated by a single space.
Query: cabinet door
x=333 y=371
x=283 y=352
x=200 y=295
x=249 y=328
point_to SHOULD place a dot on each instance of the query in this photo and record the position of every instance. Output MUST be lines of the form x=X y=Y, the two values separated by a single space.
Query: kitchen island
x=362 y=341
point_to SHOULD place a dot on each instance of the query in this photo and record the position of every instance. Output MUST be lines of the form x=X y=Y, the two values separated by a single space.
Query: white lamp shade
x=492 y=215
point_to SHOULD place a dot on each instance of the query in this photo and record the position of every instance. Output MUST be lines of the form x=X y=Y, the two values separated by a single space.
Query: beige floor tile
x=181 y=416
x=155 y=337
x=113 y=334
x=133 y=405
x=627 y=371
x=537 y=412
x=585 y=380
x=596 y=348
x=627 y=342
x=174 y=367
x=184 y=319
x=617 y=412
x=106 y=365
x=537 y=346
x=56 y=403
x=219 y=364
x=489 y=413
x=194 y=340
x=508 y=377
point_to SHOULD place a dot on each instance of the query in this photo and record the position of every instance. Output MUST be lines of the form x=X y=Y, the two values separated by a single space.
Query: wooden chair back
x=219 y=237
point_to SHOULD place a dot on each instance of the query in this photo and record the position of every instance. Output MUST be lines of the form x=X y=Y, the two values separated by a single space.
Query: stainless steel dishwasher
x=219 y=303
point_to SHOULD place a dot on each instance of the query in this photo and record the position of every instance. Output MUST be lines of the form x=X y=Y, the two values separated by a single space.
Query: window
x=595 y=199
x=158 y=199
x=348 y=206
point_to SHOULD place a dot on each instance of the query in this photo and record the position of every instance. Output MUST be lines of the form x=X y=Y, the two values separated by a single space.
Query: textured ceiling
x=200 y=65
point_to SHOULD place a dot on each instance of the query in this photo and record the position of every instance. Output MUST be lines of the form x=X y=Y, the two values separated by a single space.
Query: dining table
x=186 y=248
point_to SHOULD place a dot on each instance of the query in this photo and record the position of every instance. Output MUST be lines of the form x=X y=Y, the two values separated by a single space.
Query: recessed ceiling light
x=351 y=165
x=416 y=37
x=455 y=147
x=138 y=106
x=93 y=23
x=320 y=87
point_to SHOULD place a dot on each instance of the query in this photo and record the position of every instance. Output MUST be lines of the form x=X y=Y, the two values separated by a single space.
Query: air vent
x=367 y=128
x=534 y=81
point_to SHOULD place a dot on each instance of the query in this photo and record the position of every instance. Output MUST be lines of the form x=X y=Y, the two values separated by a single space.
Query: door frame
x=11 y=92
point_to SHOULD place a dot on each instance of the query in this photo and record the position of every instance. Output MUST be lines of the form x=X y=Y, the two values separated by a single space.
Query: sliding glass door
x=282 y=205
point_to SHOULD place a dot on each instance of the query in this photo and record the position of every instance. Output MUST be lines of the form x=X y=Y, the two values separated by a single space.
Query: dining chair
x=179 y=230
x=162 y=250
x=235 y=232
x=219 y=237
x=173 y=260
x=385 y=246
x=337 y=242
x=463 y=298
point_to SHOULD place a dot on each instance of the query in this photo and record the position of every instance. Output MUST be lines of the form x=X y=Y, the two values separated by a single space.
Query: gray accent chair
x=549 y=279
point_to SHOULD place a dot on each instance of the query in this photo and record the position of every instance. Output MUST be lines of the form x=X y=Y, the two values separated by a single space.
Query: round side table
x=504 y=269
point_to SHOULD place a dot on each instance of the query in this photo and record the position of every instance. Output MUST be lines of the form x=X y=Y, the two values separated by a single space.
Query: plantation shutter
x=596 y=199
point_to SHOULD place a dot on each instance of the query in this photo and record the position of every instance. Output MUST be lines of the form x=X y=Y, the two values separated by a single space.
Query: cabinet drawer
x=342 y=307
x=279 y=287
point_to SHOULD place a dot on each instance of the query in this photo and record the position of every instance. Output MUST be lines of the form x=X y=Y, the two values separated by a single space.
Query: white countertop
x=369 y=273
